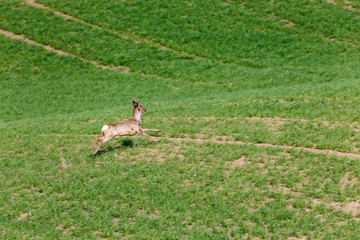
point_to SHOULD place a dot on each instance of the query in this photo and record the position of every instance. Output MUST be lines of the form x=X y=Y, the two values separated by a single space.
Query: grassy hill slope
x=257 y=102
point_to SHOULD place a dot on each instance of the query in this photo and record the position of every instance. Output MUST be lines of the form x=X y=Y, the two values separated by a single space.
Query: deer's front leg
x=153 y=130
x=144 y=134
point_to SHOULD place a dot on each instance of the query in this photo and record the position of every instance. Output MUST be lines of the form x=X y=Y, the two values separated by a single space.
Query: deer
x=126 y=127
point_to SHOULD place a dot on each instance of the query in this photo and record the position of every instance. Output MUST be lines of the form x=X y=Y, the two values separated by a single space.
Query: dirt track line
x=125 y=36
x=31 y=42
x=266 y=145
x=208 y=118
x=68 y=134
x=124 y=69
x=285 y=147
x=60 y=52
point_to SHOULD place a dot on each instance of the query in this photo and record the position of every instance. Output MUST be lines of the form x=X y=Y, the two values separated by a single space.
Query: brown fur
x=126 y=127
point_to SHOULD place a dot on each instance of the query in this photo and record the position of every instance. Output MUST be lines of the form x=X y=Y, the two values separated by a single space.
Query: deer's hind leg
x=103 y=139
x=96 y=139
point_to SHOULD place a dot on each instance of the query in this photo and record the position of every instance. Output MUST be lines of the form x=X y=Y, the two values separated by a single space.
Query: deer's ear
x=134 y=101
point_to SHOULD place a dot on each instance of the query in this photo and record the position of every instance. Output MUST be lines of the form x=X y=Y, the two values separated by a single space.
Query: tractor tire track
x=60 y=52
x=125 y=36
x=151 y=43
x=124 y=69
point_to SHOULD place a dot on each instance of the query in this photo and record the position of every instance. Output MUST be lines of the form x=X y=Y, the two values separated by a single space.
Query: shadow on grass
x=126 y=143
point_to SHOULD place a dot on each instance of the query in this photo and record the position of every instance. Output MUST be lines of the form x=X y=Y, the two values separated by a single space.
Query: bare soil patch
x=347 y=5
x=155 y=154
x=349 y=207
x=344 y=181
x=22 y=216
x=238 y=162
x=65 y=165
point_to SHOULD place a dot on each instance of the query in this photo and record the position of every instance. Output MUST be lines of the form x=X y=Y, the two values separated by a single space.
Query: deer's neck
x=137 y=116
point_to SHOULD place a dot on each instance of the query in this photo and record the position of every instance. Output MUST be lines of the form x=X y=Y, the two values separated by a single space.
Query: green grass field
x=258 y=103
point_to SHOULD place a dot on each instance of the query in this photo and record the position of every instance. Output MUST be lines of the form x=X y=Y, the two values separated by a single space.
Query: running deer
x=126 y=127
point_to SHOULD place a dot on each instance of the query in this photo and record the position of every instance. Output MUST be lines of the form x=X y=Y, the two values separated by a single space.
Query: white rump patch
x=104 y=127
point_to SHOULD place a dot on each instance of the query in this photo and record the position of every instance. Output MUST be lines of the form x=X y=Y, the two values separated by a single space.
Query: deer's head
x=137 y=106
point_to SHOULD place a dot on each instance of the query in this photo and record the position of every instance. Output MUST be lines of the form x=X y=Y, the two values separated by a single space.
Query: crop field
x=258 y=103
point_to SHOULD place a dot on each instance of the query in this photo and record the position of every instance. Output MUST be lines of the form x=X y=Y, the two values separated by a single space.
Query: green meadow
x=258 y=103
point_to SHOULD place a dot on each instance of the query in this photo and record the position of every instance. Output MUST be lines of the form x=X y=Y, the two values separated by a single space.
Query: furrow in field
x=275 y=119
x=285 y=147
x=60 y=52
x=124 y=69
x=136 y=39
x=290 y=23
x=31 y=42
x=312 y=22
x=140 y=56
